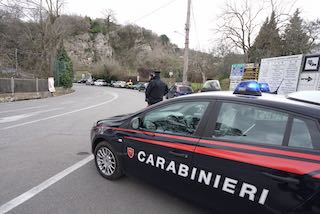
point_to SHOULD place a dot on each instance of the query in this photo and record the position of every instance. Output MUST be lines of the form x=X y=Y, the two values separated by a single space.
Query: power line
x=146 y=15
x=154 y=11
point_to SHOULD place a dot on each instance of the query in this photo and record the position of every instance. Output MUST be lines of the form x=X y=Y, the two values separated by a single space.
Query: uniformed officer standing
x=156 y=89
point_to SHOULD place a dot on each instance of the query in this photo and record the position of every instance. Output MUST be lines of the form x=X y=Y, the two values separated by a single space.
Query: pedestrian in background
x=156 y=89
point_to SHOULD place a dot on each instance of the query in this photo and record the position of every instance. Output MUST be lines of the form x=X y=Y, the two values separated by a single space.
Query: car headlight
x=101 y=128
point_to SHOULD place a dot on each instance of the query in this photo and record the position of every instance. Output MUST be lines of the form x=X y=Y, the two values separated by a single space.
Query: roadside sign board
x=282 y=72
x=237 y=70
x=51 y=84
x=308 y=81
x=311 y=63
x=310 y=75
x=236 y=74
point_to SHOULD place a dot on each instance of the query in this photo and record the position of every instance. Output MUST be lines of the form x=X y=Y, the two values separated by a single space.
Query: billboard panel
x=282 y=72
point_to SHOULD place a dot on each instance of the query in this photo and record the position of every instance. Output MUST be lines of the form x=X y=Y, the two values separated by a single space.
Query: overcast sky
x=169 y=16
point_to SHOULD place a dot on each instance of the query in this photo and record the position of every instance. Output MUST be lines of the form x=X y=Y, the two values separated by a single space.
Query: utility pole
x=16 y=56
x=186 y=47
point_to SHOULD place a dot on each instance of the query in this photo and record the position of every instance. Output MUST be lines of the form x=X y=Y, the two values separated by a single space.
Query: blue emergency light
x=249 y=87
x=264 y=87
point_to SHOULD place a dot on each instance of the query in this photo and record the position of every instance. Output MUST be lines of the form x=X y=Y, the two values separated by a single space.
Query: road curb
x=34 y=95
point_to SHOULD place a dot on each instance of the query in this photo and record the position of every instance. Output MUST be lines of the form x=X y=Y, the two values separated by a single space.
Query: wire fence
x=13 y=85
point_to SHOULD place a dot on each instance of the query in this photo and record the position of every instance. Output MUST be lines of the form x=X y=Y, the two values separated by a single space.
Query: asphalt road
x=46 y=164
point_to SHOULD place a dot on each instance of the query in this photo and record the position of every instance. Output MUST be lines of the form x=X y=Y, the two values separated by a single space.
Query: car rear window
x=212 y=84
x=239 y=122
x=184 y=89
x=304 y=134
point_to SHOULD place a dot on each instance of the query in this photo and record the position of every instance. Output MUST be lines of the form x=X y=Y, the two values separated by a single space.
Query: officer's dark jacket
x=156 y=90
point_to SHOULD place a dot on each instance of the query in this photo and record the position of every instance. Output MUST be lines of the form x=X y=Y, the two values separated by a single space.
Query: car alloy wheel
x=106 y=161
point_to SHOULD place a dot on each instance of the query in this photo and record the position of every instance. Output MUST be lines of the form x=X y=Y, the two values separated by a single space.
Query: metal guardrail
x=12 y=85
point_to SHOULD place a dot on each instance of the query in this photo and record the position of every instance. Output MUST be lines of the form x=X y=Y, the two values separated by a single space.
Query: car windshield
x=184 y=89
x=211 y=84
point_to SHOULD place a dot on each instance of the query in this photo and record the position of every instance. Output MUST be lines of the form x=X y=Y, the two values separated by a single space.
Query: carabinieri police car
x=242 y=152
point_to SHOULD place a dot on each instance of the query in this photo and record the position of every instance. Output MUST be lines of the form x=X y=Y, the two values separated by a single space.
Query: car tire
x=107 y=161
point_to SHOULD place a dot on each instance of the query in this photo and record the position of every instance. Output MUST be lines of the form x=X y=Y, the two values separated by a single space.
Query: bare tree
x=43 y=18
x=221 y=48
x=240 y=21
x=283 y=11
x=204 y=64
x=109 y=19
x=313 y=30
x=47 y=13
x=239 y=24
x=51 y=29
x=109 y=15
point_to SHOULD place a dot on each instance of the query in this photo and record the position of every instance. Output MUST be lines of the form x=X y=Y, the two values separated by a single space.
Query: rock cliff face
x=121 y=51
x=86 y=49
x=98 y=46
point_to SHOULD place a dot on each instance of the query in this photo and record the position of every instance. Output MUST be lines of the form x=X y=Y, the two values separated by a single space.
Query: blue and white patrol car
x=242 y=152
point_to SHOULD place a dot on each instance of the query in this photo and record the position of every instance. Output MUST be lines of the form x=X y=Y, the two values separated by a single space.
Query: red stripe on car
x=158 y=134
x=316 y=176
x=287 y=165
x=166 y=144
x=234 y=145
x=261 y=149
x=282 y=164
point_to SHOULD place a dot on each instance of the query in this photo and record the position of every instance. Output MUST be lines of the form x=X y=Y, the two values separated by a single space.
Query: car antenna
x=276 y=91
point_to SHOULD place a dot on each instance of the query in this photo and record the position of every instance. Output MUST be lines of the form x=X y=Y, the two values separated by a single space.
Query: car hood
x=209 y=89
x=114 y=121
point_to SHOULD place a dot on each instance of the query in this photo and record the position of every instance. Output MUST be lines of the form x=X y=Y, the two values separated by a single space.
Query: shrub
x=63 y=69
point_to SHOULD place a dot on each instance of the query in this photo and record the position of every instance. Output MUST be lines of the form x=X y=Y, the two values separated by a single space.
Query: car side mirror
x=135 y=123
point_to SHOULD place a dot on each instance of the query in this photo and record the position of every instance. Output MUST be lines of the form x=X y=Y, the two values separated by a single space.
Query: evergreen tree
x=295 y=39
x=164 y=39
x=63 y=69
x=268 y=41
x=274 y=37
x=259 y=46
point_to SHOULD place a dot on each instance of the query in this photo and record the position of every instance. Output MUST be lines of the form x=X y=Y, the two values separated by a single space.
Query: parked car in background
x=90 y=82
x=178 y=90
x=146 y=85
x=119 y=84
x=129 y=84
x=82 y=81
x=141 y=86
x=211 y=85
x=100 y=82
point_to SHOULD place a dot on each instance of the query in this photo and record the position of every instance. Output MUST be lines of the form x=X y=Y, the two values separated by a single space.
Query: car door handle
x=280 y=178
x=178 y=154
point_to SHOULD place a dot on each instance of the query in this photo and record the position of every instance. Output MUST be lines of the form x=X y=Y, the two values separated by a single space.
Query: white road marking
x=14 y=118
x=22 y=116
x=22 y=109
x=44 y=185
x=63 y=114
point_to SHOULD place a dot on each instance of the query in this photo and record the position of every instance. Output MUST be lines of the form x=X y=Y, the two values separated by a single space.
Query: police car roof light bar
x=264 y=87
x=249 y=87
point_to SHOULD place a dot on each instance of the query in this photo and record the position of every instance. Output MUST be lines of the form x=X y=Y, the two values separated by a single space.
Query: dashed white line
x=44 y=185
x=22 y=109
x=60 y=115
x=22 y=116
